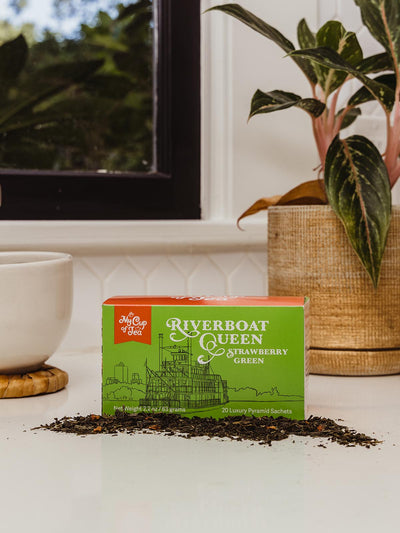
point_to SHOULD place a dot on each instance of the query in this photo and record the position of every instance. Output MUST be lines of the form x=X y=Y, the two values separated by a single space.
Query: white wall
x=271 y=153
x=274 y=152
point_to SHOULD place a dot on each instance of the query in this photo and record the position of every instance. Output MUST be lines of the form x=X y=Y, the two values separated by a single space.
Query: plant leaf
x=349 y=117
x=259 y=25
x=48 y=82
x=307 y=193
x=382 y=18
x=358 y=189
x=107 y=42
x=364 y=95
x=333 y=35
x=305 y=36
x=307 y=39
x=260 y=205
x=13 y=56
x=276 y=100
x=73 y=110
x=331 y=59
x=133 y=9
x=376 y=63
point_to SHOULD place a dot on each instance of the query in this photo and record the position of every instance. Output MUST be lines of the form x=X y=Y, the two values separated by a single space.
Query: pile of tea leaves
x=263 y=430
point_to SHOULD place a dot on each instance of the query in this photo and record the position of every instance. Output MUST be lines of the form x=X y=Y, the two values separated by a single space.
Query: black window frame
x=170 y=192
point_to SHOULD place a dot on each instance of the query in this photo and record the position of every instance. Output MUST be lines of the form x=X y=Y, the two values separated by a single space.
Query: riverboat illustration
x=181 y=381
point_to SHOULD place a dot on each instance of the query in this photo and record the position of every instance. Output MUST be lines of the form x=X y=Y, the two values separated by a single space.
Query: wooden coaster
x=47 y=379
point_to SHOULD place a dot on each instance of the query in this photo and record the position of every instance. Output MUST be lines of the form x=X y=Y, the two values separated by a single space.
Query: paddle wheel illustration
x=180 y=381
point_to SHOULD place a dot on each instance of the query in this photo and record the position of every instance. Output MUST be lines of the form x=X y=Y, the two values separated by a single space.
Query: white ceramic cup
x=35 y=307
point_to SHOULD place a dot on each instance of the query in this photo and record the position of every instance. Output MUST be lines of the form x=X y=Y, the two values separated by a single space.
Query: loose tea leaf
x=263 y=430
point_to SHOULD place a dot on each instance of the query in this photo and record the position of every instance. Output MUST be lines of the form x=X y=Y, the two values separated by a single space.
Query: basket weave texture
x=355 y=329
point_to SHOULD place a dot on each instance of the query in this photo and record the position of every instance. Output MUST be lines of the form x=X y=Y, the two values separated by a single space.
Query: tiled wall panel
x=99 y=277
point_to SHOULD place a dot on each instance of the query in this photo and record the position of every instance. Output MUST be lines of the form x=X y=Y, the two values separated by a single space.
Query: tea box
x=206 y=356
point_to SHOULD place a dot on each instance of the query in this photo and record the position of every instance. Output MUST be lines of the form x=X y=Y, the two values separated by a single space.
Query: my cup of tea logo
x=132 y=324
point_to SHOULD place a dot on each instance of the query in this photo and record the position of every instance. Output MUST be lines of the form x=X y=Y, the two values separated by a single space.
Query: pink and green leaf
x=348 y=116
x=333 y=35
x=382 y=18
x=329 y=58
x=363 y=95
x=376 y=63
x=265 y=29
x=277 y=100
x=358 y=189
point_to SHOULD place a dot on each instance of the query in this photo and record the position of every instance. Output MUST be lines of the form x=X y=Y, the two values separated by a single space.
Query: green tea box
x=205 y=356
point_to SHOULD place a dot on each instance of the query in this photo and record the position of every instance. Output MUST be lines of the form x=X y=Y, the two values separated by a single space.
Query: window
x=171 y=190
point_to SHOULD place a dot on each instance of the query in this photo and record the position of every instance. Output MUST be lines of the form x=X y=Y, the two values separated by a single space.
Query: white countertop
x=54 y=482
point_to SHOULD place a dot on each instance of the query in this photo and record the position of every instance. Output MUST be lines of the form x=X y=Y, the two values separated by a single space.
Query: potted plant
x=336 y=238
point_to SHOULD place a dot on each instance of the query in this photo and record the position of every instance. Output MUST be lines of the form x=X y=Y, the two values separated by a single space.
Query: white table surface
x=54 y=482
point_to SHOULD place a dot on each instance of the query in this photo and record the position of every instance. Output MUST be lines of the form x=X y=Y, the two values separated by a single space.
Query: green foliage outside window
x=80 y=103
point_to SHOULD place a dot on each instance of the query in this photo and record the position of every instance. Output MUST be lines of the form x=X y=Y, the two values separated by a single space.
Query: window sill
x=92 y=237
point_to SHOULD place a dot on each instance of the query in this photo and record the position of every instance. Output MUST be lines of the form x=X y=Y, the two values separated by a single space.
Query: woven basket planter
x=355 y=329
